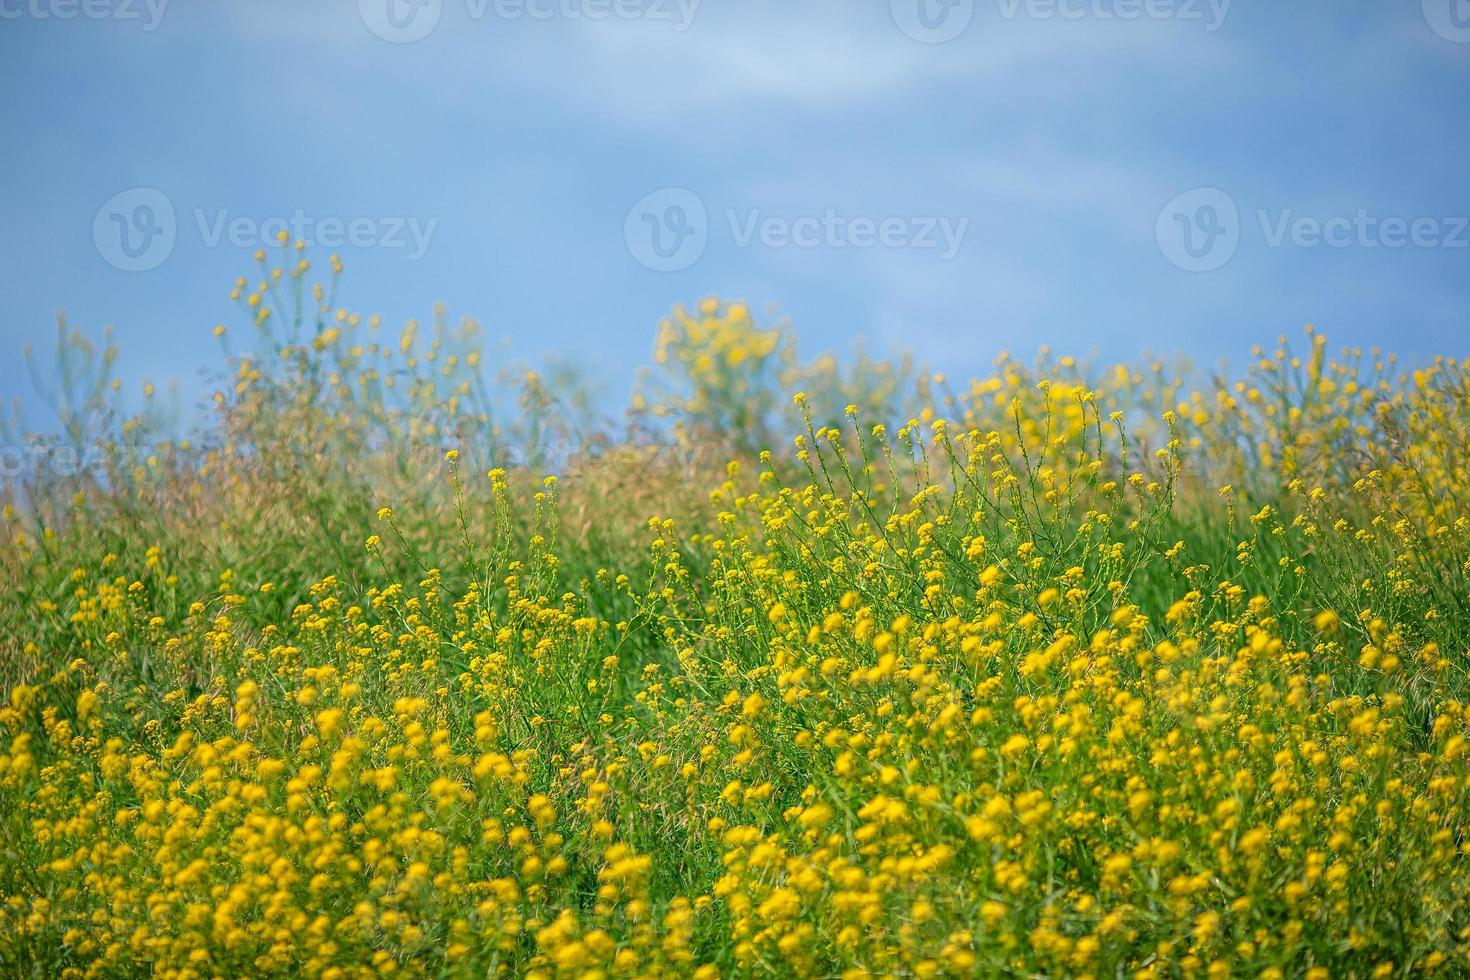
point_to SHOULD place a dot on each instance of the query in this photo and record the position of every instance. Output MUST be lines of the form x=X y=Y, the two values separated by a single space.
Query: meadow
x=401 y=664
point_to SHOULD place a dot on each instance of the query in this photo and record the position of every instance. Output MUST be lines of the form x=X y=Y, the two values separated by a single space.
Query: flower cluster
x=1074 y=673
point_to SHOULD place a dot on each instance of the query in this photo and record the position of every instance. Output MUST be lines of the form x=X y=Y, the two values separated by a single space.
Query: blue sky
x=958 y=178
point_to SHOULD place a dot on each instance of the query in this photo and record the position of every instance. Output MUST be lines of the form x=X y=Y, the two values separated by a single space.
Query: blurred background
x=953 y=177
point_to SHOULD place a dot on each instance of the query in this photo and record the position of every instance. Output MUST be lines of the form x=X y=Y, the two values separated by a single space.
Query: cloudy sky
x=957 y=177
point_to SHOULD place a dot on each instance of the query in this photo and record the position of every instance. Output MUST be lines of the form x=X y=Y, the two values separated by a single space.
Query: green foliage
x=1063 y=671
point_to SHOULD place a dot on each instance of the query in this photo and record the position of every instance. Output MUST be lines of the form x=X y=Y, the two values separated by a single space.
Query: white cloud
x=827 y=54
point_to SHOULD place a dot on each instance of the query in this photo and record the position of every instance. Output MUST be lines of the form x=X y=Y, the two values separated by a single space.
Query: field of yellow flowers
x=1063 y=671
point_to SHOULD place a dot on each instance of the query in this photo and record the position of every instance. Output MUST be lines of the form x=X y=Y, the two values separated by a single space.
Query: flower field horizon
x=397 y=665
